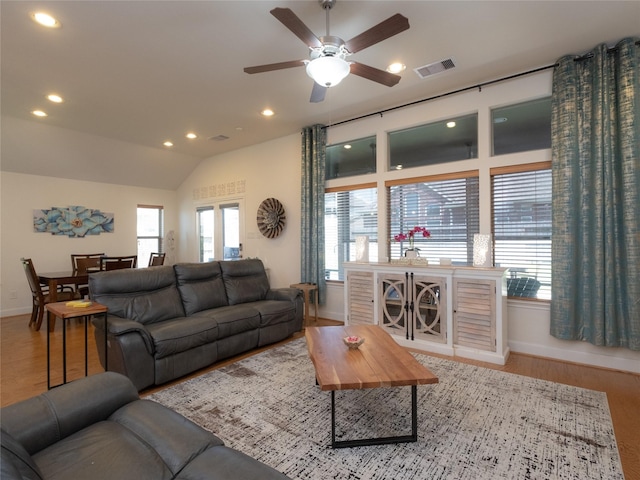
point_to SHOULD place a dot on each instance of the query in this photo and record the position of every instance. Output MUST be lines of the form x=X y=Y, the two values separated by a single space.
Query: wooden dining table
x=55 y=279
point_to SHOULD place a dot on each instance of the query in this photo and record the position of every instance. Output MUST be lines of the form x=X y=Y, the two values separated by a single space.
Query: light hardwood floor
x=23 y=367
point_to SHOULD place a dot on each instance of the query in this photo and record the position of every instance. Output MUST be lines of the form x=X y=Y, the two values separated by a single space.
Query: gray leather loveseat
x=165 y=322
x=97 y=428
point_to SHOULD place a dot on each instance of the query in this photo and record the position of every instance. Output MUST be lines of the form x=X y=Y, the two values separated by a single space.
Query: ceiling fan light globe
x=328 y=71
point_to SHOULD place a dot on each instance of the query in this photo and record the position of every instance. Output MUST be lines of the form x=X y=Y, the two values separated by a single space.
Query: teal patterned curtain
x=312 y=230
x=596 y=197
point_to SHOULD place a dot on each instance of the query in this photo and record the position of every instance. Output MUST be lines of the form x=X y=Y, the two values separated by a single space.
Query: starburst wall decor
x=74 y=221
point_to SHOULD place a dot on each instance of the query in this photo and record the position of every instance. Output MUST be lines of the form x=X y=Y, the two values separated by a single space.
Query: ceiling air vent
x=219 y=138
x=433 y=68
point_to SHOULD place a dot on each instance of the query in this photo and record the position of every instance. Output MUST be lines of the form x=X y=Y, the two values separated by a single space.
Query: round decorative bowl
x=353 y=341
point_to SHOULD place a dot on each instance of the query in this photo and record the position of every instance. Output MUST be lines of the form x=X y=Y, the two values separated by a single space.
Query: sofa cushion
x=181 y=334
x=146 y=295
x=223 y=463
x=151 y=421
x=102 y=451
x=200 y=286
x=15 y=461
x=273 y=312
x=56 y=413
x=244 y=280
x=233 y=320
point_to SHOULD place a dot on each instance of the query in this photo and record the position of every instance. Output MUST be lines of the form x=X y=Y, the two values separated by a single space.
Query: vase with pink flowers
x=412 y=251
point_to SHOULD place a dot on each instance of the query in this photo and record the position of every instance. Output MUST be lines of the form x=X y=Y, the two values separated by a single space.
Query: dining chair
x=156 y=259
x=40 y=294
x=118 y=263
x=80 y=262
x=83 y=262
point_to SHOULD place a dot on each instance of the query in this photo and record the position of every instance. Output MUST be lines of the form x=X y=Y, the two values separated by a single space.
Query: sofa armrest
x=117 y=326
x=47 y=418
x=289 y=294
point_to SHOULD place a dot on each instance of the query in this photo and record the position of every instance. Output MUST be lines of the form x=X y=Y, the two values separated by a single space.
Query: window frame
x=159 y=237
x=220 y=235
x=539 y=259
x=372 y=251
x=436 y=244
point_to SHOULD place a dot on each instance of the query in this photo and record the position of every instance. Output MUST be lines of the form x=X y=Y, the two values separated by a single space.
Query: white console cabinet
x=443 y=309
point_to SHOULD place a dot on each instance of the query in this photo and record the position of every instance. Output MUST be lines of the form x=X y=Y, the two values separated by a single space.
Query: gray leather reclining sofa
x=97 y=428
x=165 y=322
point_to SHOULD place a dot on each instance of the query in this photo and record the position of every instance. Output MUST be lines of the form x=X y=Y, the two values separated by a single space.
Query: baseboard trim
x=12 y=312
x=589 y=359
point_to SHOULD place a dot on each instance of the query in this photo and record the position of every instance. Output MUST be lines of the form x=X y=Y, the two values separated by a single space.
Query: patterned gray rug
x=476 y=423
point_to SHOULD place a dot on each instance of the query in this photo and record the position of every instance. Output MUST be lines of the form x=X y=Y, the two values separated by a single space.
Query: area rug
x=477 y=423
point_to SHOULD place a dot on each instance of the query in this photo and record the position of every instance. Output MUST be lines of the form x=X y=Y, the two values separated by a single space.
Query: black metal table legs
x=381 y=440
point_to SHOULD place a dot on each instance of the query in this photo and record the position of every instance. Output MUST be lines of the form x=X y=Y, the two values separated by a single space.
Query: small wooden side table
x=307 y=289
x=61 y=310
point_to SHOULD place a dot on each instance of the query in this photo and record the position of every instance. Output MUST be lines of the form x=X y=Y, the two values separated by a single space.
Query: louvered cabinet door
x=360 y=288
x=474 y=314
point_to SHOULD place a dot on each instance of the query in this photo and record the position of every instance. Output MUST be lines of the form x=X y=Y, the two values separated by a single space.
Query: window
x=349 y=212
x=521 y=215
x=451 y=214
x=205 y=225
x=356 y=157
x=438 y=142
x=522 y=127
x=230 y=231
x=150 y=230
x=219 y=232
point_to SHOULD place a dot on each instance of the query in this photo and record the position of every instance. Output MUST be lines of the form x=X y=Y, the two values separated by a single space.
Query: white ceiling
x=146 y=71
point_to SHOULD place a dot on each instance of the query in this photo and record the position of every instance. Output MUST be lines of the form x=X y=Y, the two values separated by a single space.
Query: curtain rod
x=465 y=89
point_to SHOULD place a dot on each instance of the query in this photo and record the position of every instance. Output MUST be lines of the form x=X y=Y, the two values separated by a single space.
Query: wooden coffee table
x=378 y=362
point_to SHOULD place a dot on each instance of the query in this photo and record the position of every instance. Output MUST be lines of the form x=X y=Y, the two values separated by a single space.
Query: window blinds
x=447 y=206
x=521 y=213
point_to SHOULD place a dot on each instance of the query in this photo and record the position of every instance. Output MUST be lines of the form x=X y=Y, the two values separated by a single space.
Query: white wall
x=21 y=194
x=271 y=169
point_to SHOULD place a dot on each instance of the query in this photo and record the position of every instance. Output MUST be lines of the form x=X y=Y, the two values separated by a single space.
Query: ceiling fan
x=327 y=63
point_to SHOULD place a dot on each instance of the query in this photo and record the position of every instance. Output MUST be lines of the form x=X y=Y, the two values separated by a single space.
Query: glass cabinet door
x=394 y=303
x=413 y=306
x=430 y=308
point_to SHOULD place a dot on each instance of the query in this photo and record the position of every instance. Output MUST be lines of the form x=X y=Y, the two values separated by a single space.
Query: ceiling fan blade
x=274 y=66
x=299 y=29
x=388 y=28
x=317 y=93
x=375 y=74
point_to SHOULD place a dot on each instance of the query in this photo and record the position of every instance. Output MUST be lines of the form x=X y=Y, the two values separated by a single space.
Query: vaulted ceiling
x=143 y=72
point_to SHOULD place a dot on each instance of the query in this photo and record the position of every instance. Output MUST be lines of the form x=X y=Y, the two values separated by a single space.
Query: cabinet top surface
x=450 y=269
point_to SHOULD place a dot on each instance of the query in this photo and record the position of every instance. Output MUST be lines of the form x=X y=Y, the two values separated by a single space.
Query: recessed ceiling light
x=55 y=98
x=191 y=135
x=347 y=146
x=168 y=143
x=39 y=113
x=396 y=67
x=45 y=20
x=267 y=112
x=451 y=124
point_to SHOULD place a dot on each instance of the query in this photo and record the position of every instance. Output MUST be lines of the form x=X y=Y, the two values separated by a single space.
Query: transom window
x=356 y=157
x=439 y=142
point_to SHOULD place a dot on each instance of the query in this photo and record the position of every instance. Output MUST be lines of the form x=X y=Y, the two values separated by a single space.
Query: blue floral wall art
x=72 y=221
